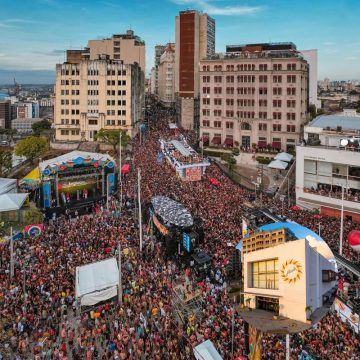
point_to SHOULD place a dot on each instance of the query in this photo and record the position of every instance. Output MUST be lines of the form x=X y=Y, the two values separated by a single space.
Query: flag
x=160 y=157
x=33 y=230
x=244 y=227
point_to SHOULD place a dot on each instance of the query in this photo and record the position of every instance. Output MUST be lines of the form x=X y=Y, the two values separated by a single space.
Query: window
x=229 y=113
x=265 y=274
x=277 y=67
x=245 y=126
x=263 y=78
x=291 y=67
x=206 y=112
x=93 y=122
x=217 y=90
x=262 y=102
x=263 y=67
x=277 y=103
x=277 y=91
x=290 y=103
x=229 y=101
x=206 y=123
x=229 y=125
x=291 y=116
x=217 y=124
x=291 y=79
x=206 y=79
x=206 y=90
x=217 y=112
x=291 y=91
x=229 y=90
x=217 y=101
x=262 y=115
x=277 y=79
x=262 y=127
x=230 y=79
x=206 y=101
x=218 y=79
x=277 y=115
x=290 y=128
x=263 y=91
x=276 y=127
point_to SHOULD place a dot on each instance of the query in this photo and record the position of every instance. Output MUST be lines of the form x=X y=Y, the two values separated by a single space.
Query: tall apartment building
x=100 y=87
x=5 y=114
x=159 y=50
x=195 y=40
x=254 y=94
x=166 y=75
x=27 y=110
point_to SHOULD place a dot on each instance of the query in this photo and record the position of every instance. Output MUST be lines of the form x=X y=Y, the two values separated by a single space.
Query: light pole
x=341 y=220
x=140 y=218
x=287 y=347
x=120 y=167
x=11 y=254
x=120 y=295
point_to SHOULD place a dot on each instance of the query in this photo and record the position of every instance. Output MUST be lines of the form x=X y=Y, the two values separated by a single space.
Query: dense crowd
x=38 y=312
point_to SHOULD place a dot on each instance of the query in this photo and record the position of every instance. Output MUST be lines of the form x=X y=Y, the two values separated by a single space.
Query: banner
x=46 y=190
x=244 y=227
x=347 y=315
x=33 y=230
x=111 y=183
x=255 y=343
x=193 y=174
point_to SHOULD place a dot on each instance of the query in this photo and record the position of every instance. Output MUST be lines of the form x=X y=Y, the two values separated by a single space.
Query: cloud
x=208 y=7
x=21 y=21
x=49 y=53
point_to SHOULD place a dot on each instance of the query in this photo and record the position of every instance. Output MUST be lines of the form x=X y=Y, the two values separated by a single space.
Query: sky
x=35 y=33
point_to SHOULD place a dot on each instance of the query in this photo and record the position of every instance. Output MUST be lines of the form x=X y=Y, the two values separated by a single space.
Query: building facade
x=27 y=110
x=159 y=50
x=5 y=113
x=329 y=163
x=101 y=87
x=195 y=40
x=311 y=56
x=254 y=95
x=24 y=125
x=166 y=76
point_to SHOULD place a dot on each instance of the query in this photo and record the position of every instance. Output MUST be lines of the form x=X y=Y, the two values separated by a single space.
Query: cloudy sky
x=35 y=33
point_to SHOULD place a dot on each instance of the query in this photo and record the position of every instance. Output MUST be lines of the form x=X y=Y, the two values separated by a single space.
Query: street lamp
x=341 y=219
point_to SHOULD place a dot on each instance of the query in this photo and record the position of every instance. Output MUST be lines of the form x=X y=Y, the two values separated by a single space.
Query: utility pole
x=120 y=295
x=11 y=254
x=120 y=167
x=287 y=347
x=140 y=218
x=232 y=331
x=341 y=220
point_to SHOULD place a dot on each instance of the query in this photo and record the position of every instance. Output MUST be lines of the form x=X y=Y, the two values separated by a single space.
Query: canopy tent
x=96 y=282
x=283 y=156
x=125 y=168
x=278 y=164
x=7 y=185
x=33 y=177
x=171 y=212
x=173 y=126
x=206 y=351
x=12 y=201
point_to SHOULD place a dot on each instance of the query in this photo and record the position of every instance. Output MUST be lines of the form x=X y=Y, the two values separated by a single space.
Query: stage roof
x=181 y=148
x=97 y=281
x=171 y=212
x=73 y=155
x=6 y=185
x=12 y=201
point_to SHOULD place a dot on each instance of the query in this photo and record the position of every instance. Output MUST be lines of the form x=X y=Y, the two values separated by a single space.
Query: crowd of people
x=39 y=317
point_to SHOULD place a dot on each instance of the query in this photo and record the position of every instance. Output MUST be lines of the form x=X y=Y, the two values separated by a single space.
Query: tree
x=33 y=216
x=312 y=111
x=5 y=161
x=229 y=159
x=41 y=126
x=32 y=147
x=112 y=137
x=9 y=133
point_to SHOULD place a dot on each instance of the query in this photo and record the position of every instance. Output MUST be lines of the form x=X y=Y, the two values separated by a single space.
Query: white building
x=311 y=57
x=24 y=125
x=290 y=278
x=324 y=166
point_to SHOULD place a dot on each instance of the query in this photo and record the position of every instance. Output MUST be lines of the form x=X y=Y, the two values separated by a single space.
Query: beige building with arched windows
x=254 y=94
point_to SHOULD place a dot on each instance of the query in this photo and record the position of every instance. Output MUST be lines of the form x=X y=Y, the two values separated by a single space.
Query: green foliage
x=33 y=216
x=32 y=147
x=8 y=132
x=212 y=153
x=312 y=111
x=236 y=151
x=112 y=137
x=262 y=160
x=41 y=126
x=5 y=161
x=229 y=159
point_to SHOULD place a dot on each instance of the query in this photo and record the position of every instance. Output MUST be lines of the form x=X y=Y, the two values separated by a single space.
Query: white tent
x=12 y=201
x=278 y=164
x=284 y=157
x=206 y=351
x=96 y=282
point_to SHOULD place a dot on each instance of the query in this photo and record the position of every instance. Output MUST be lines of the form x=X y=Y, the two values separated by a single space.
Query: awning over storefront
x=216 y=140
x=125 y=168
x=228 y=141
x=276 y=145
x=262 y=144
